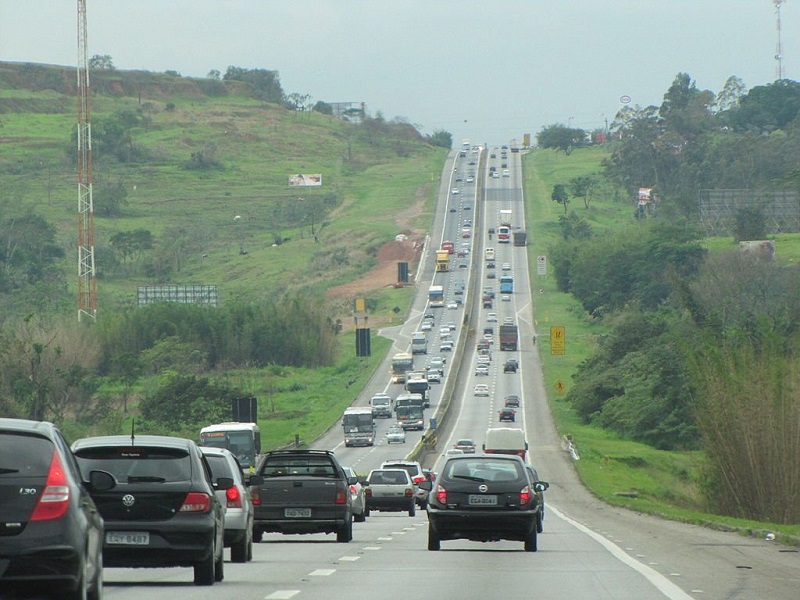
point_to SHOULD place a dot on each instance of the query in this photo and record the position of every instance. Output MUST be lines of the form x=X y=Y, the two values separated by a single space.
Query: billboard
x=304 y=180
x=204 y=295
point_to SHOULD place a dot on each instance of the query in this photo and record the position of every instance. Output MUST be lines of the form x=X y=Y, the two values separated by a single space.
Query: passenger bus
x=436 y=296
x=359 y=426
x=243 y=439
x=504 y=234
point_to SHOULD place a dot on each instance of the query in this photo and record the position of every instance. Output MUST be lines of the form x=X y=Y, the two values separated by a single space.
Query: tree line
x=703 y=348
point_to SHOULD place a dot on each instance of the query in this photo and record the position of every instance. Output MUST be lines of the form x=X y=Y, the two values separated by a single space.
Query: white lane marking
x=282 y=595
x=372 y=547
x=322 y=572
x=349 y=558
x=384 y=539
x=664 y=585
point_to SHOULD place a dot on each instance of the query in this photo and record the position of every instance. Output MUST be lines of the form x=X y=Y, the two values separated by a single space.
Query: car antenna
x=133 y=434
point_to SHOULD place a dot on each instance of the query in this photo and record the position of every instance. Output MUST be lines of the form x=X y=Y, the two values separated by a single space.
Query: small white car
x=396 y=435
x=506 y=266
x=456 y=191
x=482 y=370
x=491 y=317
x=446 y=346
x=451 y=326
x=426 y=326
x=453 y=452
x=452 y=306
x=481 y=389
x=505 y=298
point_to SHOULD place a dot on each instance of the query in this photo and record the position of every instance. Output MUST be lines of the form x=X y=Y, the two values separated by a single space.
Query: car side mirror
x=101 y=481
x=352 y=480
x=426 y=485
x=223 y=483
x=541 y=486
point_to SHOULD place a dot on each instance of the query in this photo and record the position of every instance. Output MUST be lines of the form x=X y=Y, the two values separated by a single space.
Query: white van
x=488 y=254
x=505 y=440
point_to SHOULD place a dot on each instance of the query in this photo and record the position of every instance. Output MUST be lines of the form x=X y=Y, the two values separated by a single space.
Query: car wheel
x=95 y=591
x=423 y=504
x=345 y=533
x=366 y=512
x=539 y=523
x=531 y=541
x=204 y=571
x=219 y=566
x=258 y=536
x=433 y=540
x=79 y=592
x=412 y=509
x=361 y=517
x=239 y=550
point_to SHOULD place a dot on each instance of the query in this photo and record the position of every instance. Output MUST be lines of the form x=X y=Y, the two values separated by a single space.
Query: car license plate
x=297 y=513
x=478 y=500
x=126 y=538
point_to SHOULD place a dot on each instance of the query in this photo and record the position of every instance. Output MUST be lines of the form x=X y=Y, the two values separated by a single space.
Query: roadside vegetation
x=679 y=383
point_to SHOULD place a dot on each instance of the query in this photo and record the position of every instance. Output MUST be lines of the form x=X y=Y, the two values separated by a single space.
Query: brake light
x=196 y=502
x=341 y=496
x=255 y=495
x=54 y=501
x=525 y=495
x=233 y=497
x=441 y=495
x=417 y=479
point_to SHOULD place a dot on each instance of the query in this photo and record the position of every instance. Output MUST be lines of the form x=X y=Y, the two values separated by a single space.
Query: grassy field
x=620 y=472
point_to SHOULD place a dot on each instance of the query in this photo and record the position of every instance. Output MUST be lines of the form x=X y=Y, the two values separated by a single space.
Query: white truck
x=505 y=440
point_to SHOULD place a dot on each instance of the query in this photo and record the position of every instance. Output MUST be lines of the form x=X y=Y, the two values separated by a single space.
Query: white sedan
x=481 y=389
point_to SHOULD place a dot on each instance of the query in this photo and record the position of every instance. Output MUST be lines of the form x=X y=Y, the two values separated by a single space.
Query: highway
x=588 y=549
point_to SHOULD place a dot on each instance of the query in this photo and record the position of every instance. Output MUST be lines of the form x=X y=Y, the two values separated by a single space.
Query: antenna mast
x=87 y=282
x=779 y=46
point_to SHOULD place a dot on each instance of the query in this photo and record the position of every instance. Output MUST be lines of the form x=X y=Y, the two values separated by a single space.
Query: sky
x=486 y=71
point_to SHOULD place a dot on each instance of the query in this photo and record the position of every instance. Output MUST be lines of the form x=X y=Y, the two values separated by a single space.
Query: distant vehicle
x=434 y=376
x=481 y=389
x=491 y=275
x=491 y=317
x=489 y=254
x=505 y=440
x=456 y=191
x=396 y=435
x=510 y=366
x=506 y=266
x=425 y=326
x=448 y=245
x=359 y=426
x=402 y=363
x=381 y=405
x=505 y=172
x=446 y=346
x=509 y=336
x=482 y=370
x=505 y=298
x=511 y=401
x=52 y=535
x=466 y=445
x=504 y=234
x=506 y=284
x=390 y=490
x=419 y=343
x=453 y=452
x=520 y=238
x=415 y=472
x=436 y=296
x=507 y=414
x=243 y=439
x=495 y=175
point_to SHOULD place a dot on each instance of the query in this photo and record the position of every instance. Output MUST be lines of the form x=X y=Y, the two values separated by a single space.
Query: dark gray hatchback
x=51 y=535
x=162 y=512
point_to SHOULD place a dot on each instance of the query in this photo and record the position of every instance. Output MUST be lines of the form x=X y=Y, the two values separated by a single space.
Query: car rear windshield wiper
x=470 y=477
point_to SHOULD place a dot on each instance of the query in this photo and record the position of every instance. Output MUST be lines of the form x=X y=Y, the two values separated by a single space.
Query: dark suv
x=484 y=498
x=162 y=512
x=510 y=366
x=51 y=535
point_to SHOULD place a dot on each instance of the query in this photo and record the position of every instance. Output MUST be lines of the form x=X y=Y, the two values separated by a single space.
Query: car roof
x=138 y=440
x=27 y=425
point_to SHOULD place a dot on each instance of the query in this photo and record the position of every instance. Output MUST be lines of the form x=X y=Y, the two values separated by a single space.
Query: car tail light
x=196 y=502
x=54 y=500
x=525 y=495
x=255 y=495
x=441 y=495
x=341 y=496
x=417 y=479
x=234 y=497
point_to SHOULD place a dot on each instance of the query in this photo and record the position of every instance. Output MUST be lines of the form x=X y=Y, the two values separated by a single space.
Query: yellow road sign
x=558 y=340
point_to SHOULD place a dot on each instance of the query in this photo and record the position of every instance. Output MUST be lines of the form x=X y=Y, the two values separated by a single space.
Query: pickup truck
x=390 y=490
x=301 y=491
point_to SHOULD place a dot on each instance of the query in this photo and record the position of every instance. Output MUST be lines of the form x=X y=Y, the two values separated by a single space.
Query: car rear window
x=412 y=470
x=287 y=466
x=220 y=467
x=137 y=464
x=391 y=477
x=24 y=455
x=483 y=469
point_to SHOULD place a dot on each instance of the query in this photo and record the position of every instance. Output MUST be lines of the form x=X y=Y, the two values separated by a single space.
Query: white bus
x=243 y=439
x=436 y=296
x=359 y=426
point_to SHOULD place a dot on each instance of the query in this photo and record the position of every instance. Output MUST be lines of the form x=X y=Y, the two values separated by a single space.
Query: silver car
x=357 y=496
x=236 y=500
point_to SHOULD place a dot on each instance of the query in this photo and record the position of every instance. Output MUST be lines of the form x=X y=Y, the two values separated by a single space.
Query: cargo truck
x=402 y=363
x=508 y=337
x=442 y=261
x=419 y=343
x=520 y=238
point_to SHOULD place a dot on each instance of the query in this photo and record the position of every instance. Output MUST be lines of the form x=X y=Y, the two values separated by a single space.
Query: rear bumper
x=390 y=504
x=322 y=520
x=179 y=544
x=45 y=564
x=481 y=525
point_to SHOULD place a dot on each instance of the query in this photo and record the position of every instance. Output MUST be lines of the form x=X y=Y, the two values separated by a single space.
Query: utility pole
x=87 y=281
x=779 y=45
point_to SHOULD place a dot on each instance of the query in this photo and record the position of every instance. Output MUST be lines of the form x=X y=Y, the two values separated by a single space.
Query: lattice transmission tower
x=87 y=281
x=779 y=44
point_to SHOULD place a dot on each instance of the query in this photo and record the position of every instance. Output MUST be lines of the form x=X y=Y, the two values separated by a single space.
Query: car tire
x=79 y=592
x=412 y=509
x=258 y=536
x=531 y=541
x=239 y=550
x=434 y=543
x=361 y=517
x=539 y=523
x=95 y=591
x=219 y=566
x=204 y=571
x=345 y=533
x=366 y=512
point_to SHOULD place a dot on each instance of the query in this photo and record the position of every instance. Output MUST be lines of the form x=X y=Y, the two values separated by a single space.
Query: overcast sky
x=488 y=71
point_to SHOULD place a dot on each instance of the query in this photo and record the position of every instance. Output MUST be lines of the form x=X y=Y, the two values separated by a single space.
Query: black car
x=510 y=366
x=51 y=535
x=483 y=498
x=162 y=511
x=512 y=401
x=507 y=414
